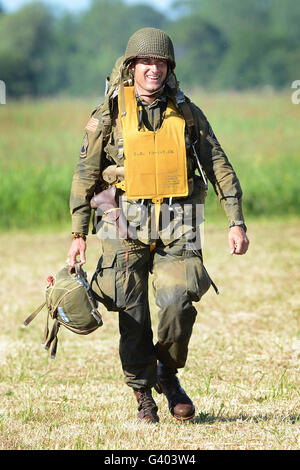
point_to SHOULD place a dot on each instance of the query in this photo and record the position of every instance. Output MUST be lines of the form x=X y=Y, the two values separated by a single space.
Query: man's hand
x=238 y=240
x=78 y=247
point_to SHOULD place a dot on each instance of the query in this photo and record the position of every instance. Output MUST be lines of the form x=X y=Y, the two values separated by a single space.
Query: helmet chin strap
x=154 y=92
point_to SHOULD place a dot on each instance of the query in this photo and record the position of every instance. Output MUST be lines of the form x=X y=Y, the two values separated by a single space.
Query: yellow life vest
x=155 y=161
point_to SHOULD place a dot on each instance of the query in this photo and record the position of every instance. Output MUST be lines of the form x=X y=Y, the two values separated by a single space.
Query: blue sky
x=77 y=5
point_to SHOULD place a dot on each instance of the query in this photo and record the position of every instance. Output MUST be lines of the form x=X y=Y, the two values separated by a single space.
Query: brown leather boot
x=147 y=409
x=180 y=404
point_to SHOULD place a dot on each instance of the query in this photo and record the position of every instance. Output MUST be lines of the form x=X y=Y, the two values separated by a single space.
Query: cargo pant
x=121 y=283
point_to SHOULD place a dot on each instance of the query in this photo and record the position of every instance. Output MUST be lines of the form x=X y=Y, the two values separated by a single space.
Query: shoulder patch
x=92 y=124
x=85 y=144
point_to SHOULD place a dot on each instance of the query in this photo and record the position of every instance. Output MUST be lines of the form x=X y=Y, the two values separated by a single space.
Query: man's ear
x=132 y=67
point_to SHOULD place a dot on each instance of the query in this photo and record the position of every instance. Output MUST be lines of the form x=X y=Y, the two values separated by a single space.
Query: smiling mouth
x=153 y=78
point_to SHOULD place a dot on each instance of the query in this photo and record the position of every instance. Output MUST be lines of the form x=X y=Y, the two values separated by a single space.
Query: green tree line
x=225 y=44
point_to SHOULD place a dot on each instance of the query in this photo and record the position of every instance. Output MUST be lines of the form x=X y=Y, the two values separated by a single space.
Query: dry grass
x=242 y=370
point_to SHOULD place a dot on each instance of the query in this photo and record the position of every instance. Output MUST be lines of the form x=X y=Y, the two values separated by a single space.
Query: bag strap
x=53 y=335
x=34 y=314
x=53 y=338
x=46 y=329
x=90 y=295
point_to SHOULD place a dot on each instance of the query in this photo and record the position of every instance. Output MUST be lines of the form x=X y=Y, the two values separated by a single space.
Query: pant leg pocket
x=104 y=282
x=197 y=278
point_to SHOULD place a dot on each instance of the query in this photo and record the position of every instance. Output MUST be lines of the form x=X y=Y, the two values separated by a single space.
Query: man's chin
x=155 y=89
x=150 y=90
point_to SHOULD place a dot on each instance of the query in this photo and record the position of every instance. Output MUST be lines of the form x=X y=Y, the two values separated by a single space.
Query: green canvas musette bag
x=70 y=302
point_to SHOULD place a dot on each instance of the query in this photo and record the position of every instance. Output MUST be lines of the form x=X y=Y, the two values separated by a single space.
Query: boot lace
x=147 y=404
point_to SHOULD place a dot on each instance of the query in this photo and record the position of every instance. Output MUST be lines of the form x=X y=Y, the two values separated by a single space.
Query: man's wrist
x=78 y=235
x=238 y=223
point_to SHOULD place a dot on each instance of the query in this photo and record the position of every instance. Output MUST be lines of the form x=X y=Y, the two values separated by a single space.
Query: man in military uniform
x=153 y=146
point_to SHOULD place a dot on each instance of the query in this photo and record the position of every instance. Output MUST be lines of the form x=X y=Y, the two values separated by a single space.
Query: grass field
x=242 y=370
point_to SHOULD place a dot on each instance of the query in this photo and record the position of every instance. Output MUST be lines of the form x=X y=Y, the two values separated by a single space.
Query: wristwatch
x=239 y=223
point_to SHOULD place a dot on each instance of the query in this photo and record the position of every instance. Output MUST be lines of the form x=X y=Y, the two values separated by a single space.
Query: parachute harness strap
x=157 y=201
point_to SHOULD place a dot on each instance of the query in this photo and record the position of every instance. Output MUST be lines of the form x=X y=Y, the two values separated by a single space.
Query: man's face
x=149 y=75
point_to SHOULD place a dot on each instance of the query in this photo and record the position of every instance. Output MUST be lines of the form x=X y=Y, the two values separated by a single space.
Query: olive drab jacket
x=99 y=151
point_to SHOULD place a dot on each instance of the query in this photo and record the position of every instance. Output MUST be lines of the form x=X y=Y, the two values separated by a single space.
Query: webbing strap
x=46 y=330
x=54 y=347
x=53 y=337
x=157 y=203
x=189 y=119
x=122 y=96
x=34 y=314
x=188 y=115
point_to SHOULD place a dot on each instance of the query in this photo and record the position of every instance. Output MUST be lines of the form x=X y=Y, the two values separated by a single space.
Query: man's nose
x=154 y=67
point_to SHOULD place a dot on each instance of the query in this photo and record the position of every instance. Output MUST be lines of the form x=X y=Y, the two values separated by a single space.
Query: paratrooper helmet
x=150 y=42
